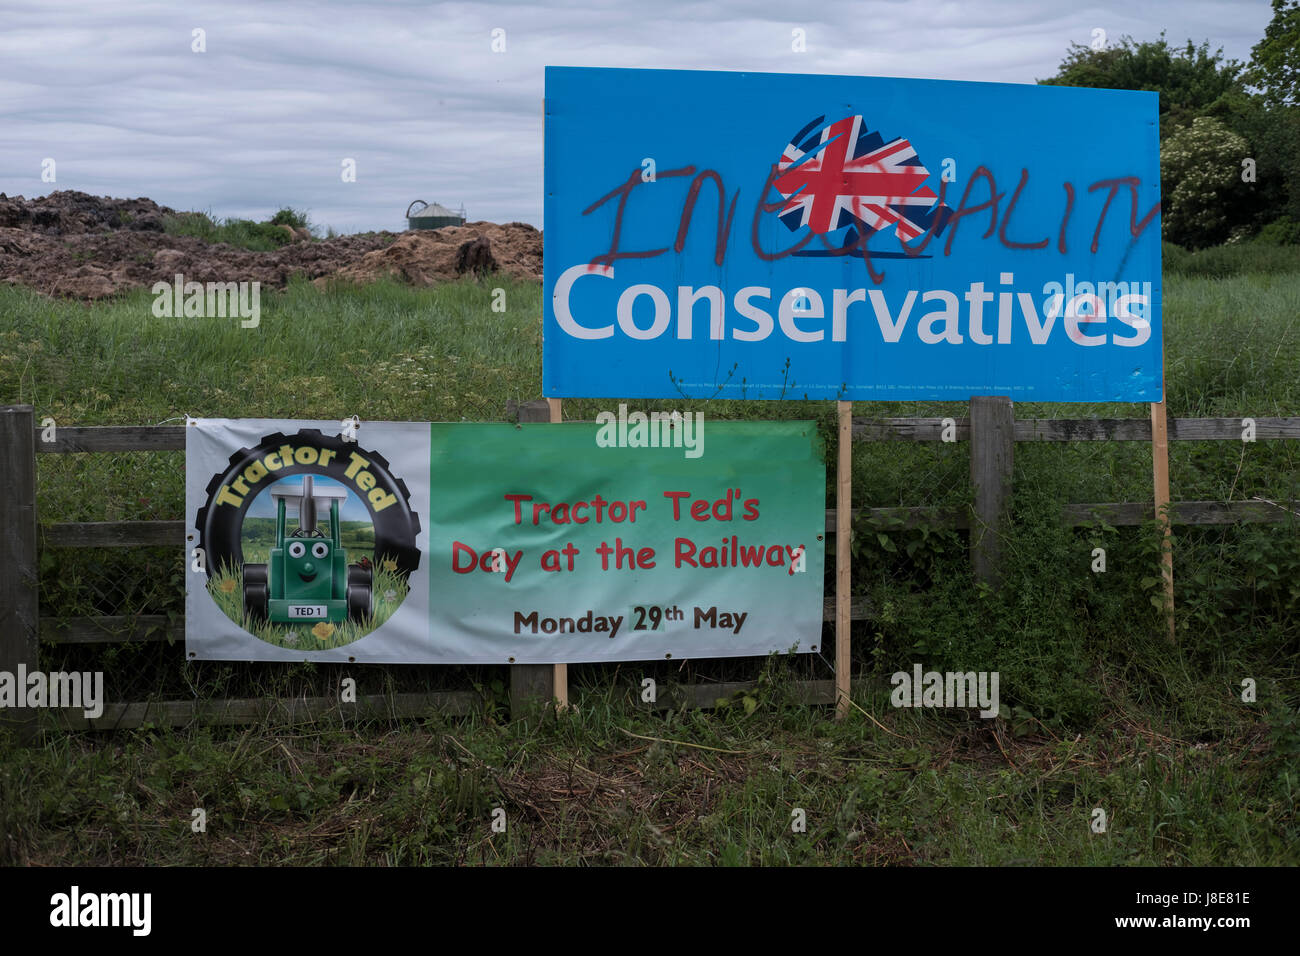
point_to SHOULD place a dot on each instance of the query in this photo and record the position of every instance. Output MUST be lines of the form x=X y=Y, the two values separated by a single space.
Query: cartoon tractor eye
x=308 y=577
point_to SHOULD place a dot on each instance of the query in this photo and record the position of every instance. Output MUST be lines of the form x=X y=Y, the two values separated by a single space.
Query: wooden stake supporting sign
x=1160 y=468
x=843 y=532
x=561 y=679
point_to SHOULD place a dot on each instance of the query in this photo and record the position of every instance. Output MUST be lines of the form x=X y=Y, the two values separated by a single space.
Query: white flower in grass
x=291 y=637
x=389 y=595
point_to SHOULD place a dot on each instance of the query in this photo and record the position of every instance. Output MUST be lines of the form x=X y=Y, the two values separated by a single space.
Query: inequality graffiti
x=981 y=180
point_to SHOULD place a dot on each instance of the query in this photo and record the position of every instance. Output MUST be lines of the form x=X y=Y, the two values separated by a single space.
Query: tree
x=1275 y=60
x=1194 y=83
x=1273 y=137
x=1275 y=71
x=1189 y=80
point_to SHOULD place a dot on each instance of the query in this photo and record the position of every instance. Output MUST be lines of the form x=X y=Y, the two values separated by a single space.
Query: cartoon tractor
x=308 y=577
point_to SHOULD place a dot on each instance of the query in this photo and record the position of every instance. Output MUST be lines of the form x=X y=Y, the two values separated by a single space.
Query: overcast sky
x=114 y=93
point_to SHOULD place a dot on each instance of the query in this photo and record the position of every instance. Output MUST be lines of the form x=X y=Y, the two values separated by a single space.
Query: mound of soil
x=423 y=257
x=86 y=247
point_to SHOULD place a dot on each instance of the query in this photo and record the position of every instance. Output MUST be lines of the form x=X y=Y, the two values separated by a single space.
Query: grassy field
x=1098 y=710
x=605 y=785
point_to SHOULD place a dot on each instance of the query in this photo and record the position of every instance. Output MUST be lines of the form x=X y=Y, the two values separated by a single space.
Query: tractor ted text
x=731 y=551
x=1082 y=309
x=306 y=455
x=600 y=510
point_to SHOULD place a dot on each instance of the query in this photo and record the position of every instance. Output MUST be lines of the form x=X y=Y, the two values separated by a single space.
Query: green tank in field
x=432 y=216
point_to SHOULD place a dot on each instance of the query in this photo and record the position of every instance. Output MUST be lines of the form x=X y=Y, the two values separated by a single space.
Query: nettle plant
x=896 y=548
x=1251 y=579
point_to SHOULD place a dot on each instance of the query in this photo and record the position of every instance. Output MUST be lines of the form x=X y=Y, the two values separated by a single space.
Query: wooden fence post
x=531 y=684
x=992 y=455
x=19 y=599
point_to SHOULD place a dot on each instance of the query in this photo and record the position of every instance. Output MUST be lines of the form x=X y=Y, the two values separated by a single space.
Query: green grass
x=1243 y=258
x=609 y=785
x=1098 y=710
x=384 y=351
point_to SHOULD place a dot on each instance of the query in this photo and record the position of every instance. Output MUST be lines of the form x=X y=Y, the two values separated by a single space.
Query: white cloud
x=414 y=93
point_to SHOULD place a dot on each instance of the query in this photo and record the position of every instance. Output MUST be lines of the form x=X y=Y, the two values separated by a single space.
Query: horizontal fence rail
x=174 y=713
x=123 y=438
x=114 y=534
x=125 y=716
x=1076 y=429
x=101 y=438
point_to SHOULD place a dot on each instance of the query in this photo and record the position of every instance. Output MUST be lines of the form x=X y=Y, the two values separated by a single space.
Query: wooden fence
x=991 y=429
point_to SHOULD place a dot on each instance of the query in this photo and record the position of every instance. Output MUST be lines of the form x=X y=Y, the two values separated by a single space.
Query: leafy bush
x=288 y=216
x=1248 y=586
x=1200 y=173
x=1218 y=262
x=1280 y=232
x=241 y=233
x=1173 y=257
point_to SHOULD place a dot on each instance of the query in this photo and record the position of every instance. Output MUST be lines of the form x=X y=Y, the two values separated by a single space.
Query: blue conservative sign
x=745 y=235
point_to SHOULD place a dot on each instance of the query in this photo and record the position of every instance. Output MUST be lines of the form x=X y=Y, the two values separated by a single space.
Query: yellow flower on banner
x=228 y=585
x=389 y=565
x=323 y=630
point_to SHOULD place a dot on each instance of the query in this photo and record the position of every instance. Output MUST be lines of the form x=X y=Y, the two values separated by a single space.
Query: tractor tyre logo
x=308 y=577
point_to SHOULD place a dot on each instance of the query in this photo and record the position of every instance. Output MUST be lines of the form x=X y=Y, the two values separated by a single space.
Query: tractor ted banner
x=748 y=235
x=493 y=543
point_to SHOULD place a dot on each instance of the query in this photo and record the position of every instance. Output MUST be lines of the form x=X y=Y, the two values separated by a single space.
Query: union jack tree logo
x=842 y=175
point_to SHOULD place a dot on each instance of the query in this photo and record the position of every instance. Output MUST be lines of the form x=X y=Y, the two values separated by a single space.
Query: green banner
x=553 y=543
x=634 y=538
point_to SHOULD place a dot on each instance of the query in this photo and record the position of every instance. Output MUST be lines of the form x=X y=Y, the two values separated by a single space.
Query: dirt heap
x=427 y=256
x=73 y=244
x=73 y=213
